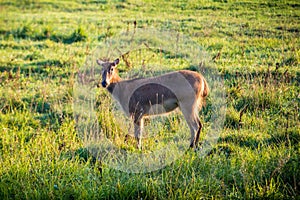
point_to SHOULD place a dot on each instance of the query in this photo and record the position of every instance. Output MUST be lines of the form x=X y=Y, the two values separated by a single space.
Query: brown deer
x=140 y=98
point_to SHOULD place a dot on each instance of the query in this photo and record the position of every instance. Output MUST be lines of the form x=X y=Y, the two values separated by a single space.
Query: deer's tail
x=204 y=91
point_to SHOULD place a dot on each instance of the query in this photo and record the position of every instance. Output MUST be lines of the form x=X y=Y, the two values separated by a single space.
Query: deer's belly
x=152 y=99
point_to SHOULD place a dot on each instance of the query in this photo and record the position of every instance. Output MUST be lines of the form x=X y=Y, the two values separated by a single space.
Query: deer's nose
x=104 y=84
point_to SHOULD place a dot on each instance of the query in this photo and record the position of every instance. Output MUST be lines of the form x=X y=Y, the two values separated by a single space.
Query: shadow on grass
x=242 y=141
x=84 y=156
x=45 y=68
x=28 y=32
x=273 y=76
x=17 y=46
x=292 y=138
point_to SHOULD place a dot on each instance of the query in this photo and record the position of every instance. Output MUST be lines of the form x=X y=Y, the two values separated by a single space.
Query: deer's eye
x=111 y=70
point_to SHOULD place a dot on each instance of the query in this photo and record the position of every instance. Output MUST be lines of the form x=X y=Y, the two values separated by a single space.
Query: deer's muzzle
x=104 y=84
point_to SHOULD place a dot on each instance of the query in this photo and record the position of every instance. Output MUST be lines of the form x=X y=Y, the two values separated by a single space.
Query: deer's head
x=109 y=72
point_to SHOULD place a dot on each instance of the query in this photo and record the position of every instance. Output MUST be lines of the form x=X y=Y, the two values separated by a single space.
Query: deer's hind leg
x=190 y=113
x=198 y=131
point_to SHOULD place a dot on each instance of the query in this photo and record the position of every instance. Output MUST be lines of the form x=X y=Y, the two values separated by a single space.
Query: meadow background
x=254 y=45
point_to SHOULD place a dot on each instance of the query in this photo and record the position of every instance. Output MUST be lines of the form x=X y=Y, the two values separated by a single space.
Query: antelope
x=145 y=97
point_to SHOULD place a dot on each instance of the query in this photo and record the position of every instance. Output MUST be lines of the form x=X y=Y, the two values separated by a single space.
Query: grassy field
x=254 y=46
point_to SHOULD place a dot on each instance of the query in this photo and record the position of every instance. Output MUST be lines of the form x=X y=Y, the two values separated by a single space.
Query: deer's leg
x=138 y=128
x=194 y=129
x=190 y=114
x=198 y=131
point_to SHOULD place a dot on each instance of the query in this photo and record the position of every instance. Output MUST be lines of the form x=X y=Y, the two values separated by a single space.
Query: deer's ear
x=116 y=62
x=99 y=62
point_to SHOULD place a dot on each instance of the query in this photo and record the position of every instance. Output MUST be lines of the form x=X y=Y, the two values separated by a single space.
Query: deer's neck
x=113 y=82
x=111 y=87
x=115 y=79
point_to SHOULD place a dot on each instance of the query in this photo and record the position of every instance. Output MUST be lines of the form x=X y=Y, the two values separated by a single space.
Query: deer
x=145 y=97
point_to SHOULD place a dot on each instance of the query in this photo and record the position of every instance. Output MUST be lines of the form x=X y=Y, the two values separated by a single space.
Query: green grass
x=255 y=47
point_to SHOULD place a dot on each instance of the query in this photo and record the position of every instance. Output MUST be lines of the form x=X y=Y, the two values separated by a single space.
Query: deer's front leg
x=138 y=128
